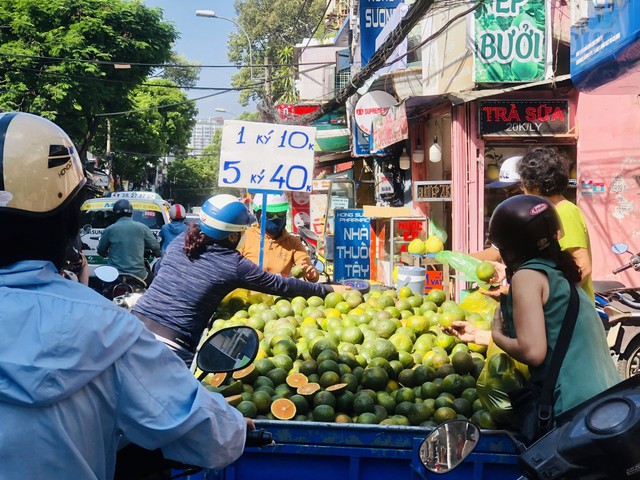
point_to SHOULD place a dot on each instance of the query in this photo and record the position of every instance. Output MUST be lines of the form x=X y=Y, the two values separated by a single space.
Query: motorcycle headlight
x=609 y=415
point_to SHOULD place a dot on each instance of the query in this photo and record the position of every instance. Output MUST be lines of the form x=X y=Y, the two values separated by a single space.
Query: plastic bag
x=481 y=304
x=500 y=376
x=463 y=263
x=436 y=230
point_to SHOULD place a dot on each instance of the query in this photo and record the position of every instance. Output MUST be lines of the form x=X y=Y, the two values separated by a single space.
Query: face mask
x=274 y=227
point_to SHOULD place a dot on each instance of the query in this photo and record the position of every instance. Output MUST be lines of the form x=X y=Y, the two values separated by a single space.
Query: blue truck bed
x=329 y=451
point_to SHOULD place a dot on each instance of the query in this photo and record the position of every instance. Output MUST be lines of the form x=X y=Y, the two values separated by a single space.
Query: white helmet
x=177 y=212
x=276 y=203
x=40 y=170
x=508 y=173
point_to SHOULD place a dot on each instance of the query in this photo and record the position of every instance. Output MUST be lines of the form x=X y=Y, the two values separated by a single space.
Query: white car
x=192 y=218
x=148 y=208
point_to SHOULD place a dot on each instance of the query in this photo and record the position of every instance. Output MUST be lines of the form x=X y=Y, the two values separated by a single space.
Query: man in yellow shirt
x=281 y=249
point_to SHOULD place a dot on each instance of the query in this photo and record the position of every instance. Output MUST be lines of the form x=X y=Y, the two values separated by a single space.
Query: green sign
x=510 y=41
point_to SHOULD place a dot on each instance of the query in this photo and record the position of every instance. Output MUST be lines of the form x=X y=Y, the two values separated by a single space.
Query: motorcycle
x=318 y=260
x=123 y=288
x=225 y=351
x=619 y=309
x=593 y=441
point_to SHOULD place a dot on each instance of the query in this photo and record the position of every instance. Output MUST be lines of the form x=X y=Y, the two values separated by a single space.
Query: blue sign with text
x=351 y=245
x=374 y=15
x=607 y=47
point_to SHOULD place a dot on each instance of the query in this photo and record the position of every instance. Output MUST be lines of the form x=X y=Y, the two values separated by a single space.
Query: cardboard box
x=371 y=211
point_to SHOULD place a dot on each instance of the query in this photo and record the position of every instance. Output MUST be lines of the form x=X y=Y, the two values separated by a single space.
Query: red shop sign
x=524 y=118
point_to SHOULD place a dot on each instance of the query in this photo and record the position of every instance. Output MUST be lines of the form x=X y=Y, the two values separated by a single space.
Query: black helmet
x=122 y=208
x=522 y=227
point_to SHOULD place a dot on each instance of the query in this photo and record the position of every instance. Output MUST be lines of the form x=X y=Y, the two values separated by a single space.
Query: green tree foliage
x=192 y=180
x=50 y=52
x=273 y=27
x=183 y=72
x=144 y=136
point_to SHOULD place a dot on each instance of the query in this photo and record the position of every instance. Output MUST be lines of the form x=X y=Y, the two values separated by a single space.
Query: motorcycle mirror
x=106 y=273
x=228 y=350
x=448 y=445
x=318 y=265
x=310 y=234
x=619 y=248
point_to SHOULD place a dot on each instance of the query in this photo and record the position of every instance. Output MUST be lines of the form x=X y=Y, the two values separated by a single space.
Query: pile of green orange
x=378 y=358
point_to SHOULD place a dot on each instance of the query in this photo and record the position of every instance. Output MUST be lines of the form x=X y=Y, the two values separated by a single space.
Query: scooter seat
x=604 y=286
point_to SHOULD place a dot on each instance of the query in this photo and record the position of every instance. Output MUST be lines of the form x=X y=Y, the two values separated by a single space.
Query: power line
x=410 y=20
x=110 y=80
x=154 y=65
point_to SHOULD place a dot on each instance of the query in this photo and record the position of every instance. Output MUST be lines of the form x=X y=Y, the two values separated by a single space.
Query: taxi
x=149 y=208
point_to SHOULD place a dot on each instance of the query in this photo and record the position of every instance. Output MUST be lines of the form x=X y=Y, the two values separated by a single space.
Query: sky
x=204 y=40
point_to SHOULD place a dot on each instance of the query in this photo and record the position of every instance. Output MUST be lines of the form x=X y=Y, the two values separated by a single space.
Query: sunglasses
x=276 y=216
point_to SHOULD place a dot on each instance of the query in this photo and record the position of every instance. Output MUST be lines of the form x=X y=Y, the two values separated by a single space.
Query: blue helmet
x=222 y=215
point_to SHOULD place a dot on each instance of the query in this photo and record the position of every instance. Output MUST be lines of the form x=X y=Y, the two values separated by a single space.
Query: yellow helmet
x=40 y=170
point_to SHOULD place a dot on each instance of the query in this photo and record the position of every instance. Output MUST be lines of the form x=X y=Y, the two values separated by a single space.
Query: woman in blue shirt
x=200 y=268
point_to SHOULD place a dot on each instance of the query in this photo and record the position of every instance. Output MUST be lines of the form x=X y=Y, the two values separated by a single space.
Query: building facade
x=202 y=133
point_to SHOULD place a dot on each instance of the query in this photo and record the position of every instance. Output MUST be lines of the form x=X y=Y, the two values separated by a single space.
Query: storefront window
x=500 y=187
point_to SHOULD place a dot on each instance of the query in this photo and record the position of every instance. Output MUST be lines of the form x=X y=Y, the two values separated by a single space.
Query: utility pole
x=267 y=81
x=112 y=178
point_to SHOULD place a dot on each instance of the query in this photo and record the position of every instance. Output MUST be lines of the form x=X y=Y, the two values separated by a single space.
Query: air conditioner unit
x=579 y=12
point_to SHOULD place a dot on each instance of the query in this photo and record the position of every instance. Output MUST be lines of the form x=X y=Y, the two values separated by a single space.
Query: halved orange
x=308 y=388
x=296 y=380
x=216 y=379
x=283 y=409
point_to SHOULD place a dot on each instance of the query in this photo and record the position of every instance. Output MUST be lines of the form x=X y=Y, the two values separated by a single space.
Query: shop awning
x=470 y=95
x=333 y=158
x=406 y=85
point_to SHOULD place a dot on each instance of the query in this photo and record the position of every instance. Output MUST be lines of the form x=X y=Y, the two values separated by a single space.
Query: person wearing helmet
x=509 y=182
x=199 y=268
x=509 y=178
x=80 y=374
x=545 y=172
x=171 y=230
x=124 y=242
x=282 y=251
x=525 y=229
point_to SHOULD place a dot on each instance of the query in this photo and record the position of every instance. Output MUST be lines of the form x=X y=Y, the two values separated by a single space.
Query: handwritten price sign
x=266 y=156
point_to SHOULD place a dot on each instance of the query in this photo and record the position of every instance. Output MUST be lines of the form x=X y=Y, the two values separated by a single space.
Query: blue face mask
x=275 y=227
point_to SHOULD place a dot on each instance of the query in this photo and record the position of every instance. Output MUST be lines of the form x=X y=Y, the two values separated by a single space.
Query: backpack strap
x=545 y=404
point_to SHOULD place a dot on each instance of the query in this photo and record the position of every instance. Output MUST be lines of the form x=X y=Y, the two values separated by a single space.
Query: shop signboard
x=371 y=105
x=390 y=128
x=266 y=156
x=433 y=280
x=432 y=191
x=318 y=212
x=360 y=142
x=374 y=15
x=511 y=41
x=398 y=58
x=605 y=50
x=290 y=110
x=352 y=241
x=300 y=210
x=524 y=118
